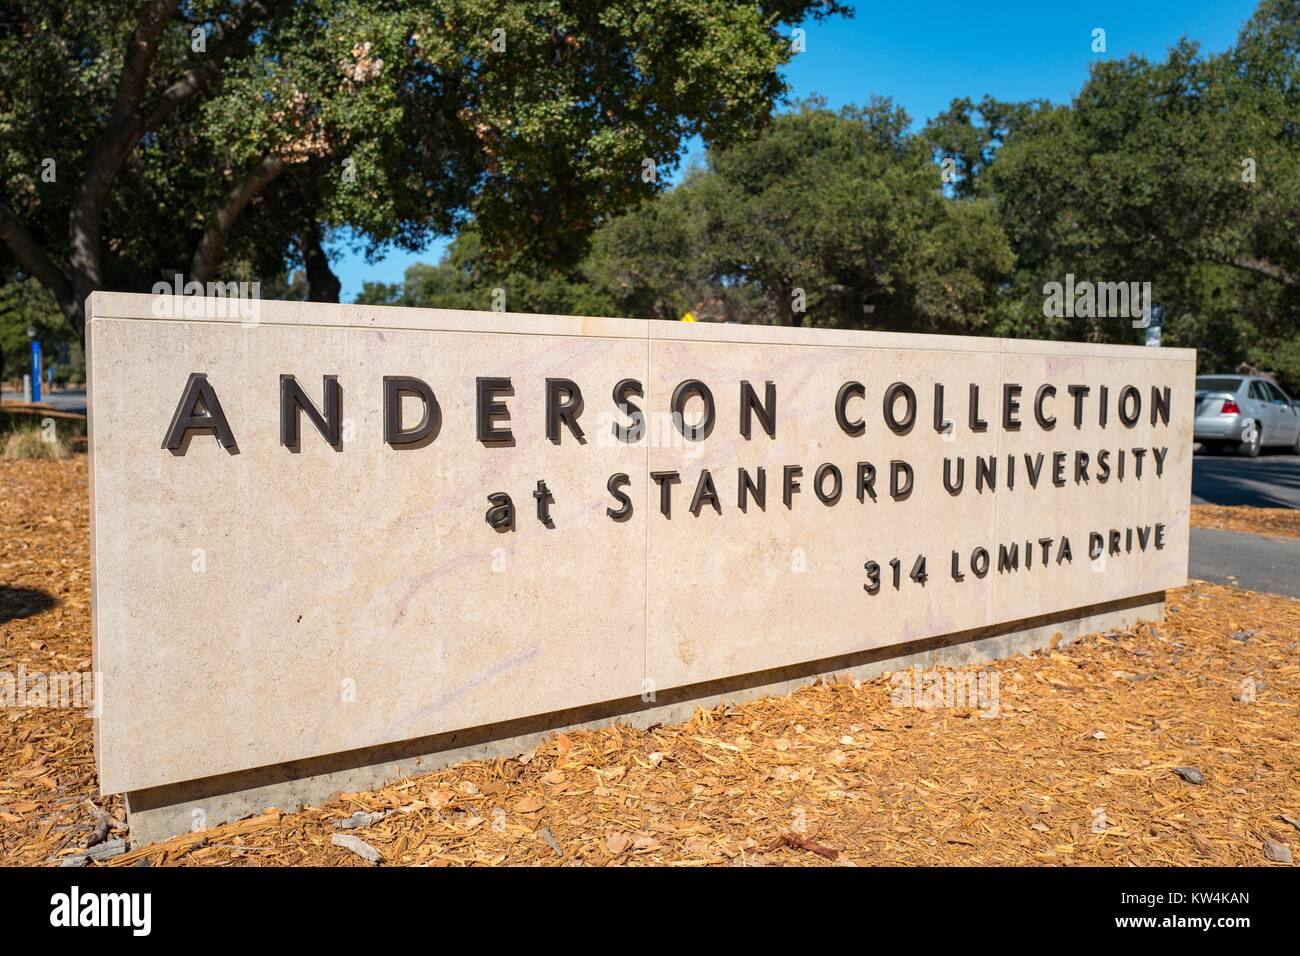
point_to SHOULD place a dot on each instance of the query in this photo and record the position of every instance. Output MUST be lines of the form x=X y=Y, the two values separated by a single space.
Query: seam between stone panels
x=645 y=485
x=1190 y=478
x=996 y=609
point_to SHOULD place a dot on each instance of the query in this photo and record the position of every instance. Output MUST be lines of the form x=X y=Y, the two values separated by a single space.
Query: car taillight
x=1230 y=408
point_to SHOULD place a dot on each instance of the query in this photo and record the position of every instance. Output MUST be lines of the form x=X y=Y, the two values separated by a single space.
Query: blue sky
x=925 y=54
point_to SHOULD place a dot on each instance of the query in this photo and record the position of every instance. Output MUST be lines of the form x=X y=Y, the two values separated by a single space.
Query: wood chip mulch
x=1274 y=522
x=1093 y=756
x=49 y=793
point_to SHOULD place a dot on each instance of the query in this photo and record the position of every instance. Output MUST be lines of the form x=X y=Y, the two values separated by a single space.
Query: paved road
x=1227 y=557
x=67 y=400
x=1246 y=561
x=1270 y=481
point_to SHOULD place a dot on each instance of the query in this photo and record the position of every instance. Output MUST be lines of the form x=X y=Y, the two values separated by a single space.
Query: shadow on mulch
x=16 y=603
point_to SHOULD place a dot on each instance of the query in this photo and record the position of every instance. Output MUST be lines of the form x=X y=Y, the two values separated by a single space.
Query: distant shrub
x=34 y=443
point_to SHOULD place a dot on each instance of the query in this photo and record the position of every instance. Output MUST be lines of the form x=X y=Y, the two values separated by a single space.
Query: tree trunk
x=124 y=127
x=322 y=284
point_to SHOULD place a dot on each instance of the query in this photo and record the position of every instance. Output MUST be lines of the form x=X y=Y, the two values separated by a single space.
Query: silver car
x=1244 y=412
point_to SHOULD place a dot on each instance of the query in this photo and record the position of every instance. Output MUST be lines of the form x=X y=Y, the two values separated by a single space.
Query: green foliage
x=1183 y=173
x=24 y=304
x=968 y=135
x=847 y=208
x=542 y=134
x=824 y=219
x=396 y=120
x=468 y=278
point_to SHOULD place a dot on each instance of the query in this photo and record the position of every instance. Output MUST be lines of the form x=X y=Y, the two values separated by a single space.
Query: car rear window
x=1208 y=383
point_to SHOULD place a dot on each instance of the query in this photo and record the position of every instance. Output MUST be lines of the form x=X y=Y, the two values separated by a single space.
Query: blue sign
x=36 y=370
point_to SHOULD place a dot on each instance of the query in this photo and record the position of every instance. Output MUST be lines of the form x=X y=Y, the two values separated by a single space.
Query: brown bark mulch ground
x=1093 y=757
x=1275 y=522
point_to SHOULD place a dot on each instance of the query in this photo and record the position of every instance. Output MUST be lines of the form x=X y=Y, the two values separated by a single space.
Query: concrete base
x=162 y=812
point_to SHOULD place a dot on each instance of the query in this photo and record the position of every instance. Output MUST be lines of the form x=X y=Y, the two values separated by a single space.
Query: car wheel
x=1295 y=449
x=1250 y=449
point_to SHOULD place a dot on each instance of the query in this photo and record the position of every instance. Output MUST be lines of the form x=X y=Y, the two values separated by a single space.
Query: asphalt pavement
x=1248 y=561
x=1270 y=481
x=63 y=399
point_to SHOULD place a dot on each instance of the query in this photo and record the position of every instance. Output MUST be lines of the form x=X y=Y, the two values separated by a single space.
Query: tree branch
x=1265 y=268
x=212 y=247
x=36 y=262
x=195 y=79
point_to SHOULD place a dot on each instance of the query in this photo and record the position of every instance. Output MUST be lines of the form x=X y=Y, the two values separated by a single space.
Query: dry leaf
x=617 y=843
x=529 y=804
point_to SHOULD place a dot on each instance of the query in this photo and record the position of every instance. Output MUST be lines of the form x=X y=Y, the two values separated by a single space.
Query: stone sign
x=319 y=529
